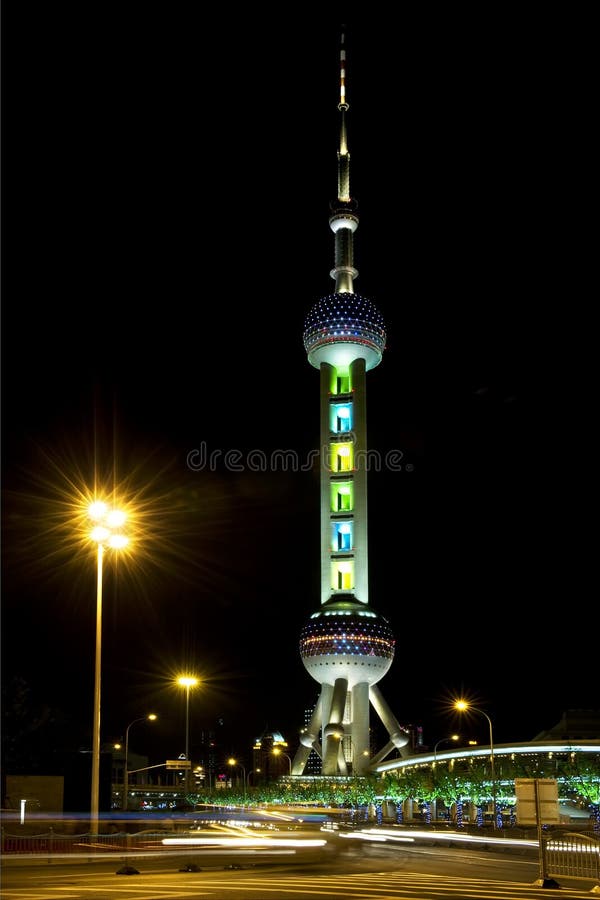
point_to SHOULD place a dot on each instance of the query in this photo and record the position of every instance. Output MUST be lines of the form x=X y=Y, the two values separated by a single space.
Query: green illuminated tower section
x=346 y=646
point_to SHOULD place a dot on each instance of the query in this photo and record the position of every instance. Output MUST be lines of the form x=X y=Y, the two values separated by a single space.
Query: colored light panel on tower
x=342 y=382
x=342 y=575
x=342 y=496
x=340 y=417
x=341 y=536
x=342 y=457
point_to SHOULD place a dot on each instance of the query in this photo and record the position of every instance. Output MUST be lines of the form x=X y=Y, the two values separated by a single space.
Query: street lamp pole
x=278 y=752
x=188 y=682
x=103 y=533
x=462 y=705
x=95 y=797
x=453 y=737
x=233 y=762
x=251 y=772
x=150 y=718
x=187 y=725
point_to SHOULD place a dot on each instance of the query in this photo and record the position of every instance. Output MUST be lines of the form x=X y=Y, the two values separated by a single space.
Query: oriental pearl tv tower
x=346 y=646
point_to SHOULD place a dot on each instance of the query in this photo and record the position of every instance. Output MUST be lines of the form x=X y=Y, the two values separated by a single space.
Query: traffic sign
x=537 y=801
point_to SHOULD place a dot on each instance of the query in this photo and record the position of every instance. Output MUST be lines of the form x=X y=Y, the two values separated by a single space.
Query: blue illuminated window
x=341 y=417
x=341 y=538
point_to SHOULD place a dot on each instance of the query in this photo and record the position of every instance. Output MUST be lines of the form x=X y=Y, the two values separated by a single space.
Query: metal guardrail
x=573 y=855
x=51 y=843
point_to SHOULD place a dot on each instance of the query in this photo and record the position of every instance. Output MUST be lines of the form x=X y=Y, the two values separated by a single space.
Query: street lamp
x=233 y=762
x=252 y=772
x=149 y=718
x=106 y=532
x=463 y=706
x=278 y=752
x=188 y=682
x=453 y=737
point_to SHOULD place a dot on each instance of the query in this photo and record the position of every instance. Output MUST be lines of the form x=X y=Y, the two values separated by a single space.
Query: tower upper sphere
x=342 y=327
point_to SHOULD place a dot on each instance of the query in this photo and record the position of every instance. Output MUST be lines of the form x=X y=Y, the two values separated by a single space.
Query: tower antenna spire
x=343 y=220
x=342 y=104
x=343 y=194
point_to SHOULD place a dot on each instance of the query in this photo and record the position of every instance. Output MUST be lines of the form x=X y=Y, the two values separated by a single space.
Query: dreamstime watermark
x=233 y=460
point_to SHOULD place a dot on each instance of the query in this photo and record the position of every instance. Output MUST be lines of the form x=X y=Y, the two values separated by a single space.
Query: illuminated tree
x=452 y=788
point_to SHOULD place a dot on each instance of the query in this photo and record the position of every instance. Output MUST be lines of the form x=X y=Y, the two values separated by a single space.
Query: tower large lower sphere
x=345 y=646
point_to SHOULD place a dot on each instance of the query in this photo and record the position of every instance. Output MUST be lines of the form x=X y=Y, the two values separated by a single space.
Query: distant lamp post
x=233 y=762
x=465 y=706
x=188 y=682
x=151 y=717
x=278 y=752
x=452 y=737
x=252 y=772
x=106 y=532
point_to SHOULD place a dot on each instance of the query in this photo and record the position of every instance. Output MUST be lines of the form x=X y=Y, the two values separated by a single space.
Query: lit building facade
x=574 y=765
x=270 y=758
x=346 y=646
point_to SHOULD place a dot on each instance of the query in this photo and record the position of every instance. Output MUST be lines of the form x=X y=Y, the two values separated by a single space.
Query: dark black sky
x=165 y=232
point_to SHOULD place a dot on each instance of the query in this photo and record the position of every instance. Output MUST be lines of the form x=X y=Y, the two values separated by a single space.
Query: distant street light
x=464 y=706
x=149 y=718
x=453 y=737
x=107 y=523
x=188 y=682
x=278 y=752
x=233 y=762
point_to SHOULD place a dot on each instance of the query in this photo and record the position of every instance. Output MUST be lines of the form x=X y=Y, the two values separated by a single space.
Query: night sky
x=165 y=233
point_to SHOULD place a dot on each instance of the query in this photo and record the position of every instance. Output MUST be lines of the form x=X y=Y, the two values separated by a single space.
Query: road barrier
x=51 y=843
x=573 y=855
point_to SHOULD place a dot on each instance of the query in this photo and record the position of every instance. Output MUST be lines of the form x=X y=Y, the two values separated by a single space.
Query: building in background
x=271 y=758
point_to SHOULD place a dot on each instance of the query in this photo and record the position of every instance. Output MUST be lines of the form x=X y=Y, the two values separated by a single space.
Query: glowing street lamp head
x=187 y=681
x=115 y=518
x=232 y=762
x=152 y=717
x=97 y=510
x=107 y=524
x=461 y=705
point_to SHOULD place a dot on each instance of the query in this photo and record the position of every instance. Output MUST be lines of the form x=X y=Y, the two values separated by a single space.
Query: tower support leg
x=309 y=739
x=360 y=728
x=398 y=736
x=333 y=732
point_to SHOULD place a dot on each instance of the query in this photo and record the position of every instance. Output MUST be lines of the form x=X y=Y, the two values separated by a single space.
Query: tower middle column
x=358 y=381
x=327 y=385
